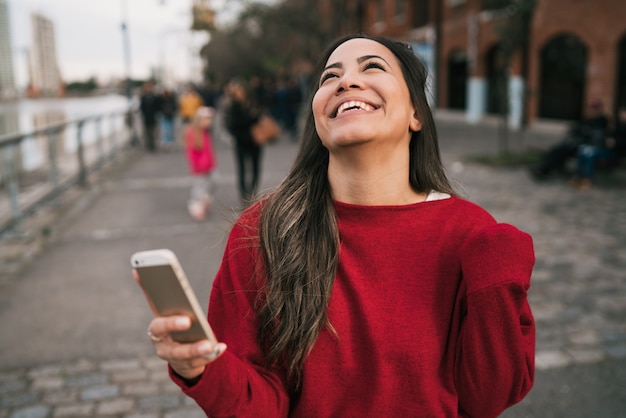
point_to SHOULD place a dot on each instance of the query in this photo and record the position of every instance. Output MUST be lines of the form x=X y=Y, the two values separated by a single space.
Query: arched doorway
x=620 y=82
x=562 y=80
x=457 y=80
x=496 y=81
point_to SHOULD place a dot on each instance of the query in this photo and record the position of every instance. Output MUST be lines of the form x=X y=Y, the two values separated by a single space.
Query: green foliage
x=265 y=40
x=82 y=86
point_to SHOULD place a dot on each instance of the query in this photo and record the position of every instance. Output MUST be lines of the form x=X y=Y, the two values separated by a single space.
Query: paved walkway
x=72 y=321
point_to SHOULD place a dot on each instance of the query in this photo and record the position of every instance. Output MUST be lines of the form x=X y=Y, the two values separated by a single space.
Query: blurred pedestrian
x=202 y=162
x=168 y=107
x=280 y=103
x=294 y=101
x=362 y=286
x=209 y=94
x=189 y=103
x=149 y=109
x=241 y=114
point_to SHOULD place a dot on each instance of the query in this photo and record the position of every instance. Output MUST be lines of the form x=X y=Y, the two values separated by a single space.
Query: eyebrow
x=359 y=60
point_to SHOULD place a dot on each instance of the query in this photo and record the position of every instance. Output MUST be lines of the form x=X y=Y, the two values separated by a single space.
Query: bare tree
x=265 y=39
x=513 y=18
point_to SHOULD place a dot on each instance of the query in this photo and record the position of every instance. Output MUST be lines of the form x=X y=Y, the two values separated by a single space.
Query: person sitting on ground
x=592 y=129
x=609 y=151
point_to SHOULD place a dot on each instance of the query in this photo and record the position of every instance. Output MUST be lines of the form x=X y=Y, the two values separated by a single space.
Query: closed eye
x=375 y=65
x=327 y=76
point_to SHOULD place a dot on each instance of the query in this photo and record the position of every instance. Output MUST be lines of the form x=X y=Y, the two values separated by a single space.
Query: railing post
x=131 y=125
x=9 y=155
x=112 y=150
x=80 y=154
x=99 y=141
x=53 y=134
x=23 y=204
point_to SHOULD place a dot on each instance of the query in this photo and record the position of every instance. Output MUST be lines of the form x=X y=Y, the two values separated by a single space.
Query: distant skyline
x=90 y=42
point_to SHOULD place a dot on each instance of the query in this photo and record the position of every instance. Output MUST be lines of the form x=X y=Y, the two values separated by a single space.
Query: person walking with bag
x=202 y=162
x=241 y=116
x=363 y=286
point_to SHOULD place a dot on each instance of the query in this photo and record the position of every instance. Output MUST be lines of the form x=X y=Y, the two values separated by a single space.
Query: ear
x=415 y=124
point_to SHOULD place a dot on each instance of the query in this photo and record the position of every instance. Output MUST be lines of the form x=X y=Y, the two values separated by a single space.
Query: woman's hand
x=187 y=360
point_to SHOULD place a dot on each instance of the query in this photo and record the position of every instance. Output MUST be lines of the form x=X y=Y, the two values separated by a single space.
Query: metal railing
x=38 y=166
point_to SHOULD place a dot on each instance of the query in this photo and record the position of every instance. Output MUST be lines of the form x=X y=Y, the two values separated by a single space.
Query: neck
x=370 y=178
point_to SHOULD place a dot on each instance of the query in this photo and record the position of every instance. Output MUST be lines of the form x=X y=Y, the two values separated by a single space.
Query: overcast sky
x=89 y=38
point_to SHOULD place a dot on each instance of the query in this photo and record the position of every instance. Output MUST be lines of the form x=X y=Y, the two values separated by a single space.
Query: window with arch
x=380 y=11
x=401 y=6
x=563 y=68
x=495 y=4
x=620 y=81
x=421 y=13
x=458 y=70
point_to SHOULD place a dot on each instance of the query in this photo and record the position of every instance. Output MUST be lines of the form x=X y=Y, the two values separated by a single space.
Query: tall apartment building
x=575 y=52
x=45 y=77
x=7 y=80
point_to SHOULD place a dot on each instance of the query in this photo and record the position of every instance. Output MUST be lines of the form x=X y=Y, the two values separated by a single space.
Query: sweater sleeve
x=496 y=350
x=238 y=384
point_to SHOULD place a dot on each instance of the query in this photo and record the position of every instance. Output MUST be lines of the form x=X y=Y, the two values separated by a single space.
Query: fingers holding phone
x=179 y=331
x=187 y=359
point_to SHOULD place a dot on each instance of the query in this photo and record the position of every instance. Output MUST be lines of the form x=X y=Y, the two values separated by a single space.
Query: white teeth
x=354 y=105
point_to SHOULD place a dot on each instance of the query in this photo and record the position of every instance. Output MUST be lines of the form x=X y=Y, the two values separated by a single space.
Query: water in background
x=27 y=115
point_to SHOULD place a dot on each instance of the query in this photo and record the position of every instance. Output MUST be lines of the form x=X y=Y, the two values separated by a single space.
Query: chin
x=345 y=143
x=351 y=137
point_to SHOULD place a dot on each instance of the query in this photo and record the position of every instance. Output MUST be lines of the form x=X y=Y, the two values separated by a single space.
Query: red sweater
x=430 y=306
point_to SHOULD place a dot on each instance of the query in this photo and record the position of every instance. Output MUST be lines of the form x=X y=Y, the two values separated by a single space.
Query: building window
x=458 y=70
x=621 y=74
x=421 y=13
x=401 y=8
x=563 y=74
x=456 y=3
x=495 y=4
x=380 y=11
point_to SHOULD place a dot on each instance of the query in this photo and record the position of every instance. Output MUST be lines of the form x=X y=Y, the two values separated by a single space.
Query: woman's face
x=238 y=92
x=363 y=97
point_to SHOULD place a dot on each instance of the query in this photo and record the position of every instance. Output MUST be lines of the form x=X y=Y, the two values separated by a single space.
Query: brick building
x=575 y=52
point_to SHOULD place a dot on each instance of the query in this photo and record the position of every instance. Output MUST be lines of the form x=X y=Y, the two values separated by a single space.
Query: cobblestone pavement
x=132 y=388
x=578 y=295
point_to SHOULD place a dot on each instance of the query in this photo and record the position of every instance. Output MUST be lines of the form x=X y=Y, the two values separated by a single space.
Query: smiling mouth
x=352 y=106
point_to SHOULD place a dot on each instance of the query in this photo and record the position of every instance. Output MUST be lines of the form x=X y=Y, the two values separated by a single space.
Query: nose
x=350 y=80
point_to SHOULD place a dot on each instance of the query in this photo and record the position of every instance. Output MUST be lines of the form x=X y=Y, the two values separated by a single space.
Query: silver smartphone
x=169 y=293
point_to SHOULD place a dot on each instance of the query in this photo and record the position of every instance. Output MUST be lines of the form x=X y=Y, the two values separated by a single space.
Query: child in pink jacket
x=201 y=158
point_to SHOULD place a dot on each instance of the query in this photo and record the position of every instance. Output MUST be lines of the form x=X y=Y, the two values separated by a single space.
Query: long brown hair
x=299 y=237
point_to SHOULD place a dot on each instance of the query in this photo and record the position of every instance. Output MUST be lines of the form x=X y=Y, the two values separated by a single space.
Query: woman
x=362 y=286
x=240 y=116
